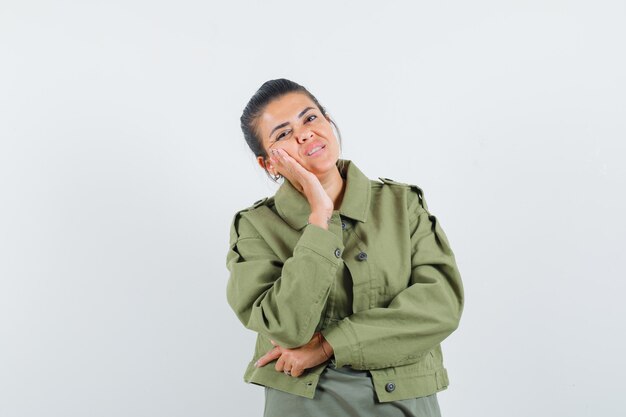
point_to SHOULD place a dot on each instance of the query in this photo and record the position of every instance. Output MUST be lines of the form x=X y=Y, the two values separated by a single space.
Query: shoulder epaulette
x=390 y=181
x=415 y=188
x=259 y=202
x=253 y=206
x=238 y=213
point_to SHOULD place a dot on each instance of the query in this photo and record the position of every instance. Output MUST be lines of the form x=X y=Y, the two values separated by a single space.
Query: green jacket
x=382 y=285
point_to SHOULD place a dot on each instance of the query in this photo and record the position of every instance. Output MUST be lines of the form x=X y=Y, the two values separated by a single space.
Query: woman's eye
x=281 y=135
x=311 y=118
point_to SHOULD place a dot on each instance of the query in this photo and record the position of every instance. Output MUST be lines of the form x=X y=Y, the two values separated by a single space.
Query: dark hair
x=269 y=91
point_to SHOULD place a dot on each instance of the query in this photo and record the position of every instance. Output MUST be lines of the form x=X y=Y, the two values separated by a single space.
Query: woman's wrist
x=326 y=347
x=320 y=219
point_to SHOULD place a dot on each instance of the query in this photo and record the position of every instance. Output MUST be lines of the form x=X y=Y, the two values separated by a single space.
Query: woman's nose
x=304 y=135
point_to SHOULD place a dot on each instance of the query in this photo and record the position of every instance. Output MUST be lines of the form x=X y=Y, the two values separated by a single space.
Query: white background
x=122 y=164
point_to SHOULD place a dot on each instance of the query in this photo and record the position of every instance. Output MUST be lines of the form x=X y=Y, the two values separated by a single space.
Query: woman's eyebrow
x=286 y=123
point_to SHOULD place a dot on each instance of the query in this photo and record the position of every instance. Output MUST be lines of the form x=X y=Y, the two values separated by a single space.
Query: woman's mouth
x=316 y=151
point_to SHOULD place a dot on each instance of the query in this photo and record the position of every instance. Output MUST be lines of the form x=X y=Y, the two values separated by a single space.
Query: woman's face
x=295 y=124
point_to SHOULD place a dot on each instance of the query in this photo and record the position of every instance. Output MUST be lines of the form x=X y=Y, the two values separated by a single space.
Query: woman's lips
x=319 y=151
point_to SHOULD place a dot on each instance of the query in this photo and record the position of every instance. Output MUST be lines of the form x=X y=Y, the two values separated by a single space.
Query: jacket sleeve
x=419 y=317
x=282 y=300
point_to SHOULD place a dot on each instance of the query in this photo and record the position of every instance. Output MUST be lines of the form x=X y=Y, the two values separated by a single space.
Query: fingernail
x=256 y=364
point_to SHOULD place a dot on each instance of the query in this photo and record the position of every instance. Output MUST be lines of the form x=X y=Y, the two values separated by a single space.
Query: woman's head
x=284 y=114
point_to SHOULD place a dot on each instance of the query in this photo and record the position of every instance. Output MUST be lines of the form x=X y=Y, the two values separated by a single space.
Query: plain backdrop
x=122 y=164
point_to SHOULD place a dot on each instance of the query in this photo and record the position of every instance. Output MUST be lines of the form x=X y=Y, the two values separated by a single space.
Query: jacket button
x=362 y=256
x=390 y=387
x=343 y=225
x=338 y=253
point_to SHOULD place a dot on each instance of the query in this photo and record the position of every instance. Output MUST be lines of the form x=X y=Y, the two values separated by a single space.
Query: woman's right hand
x=307 y=183
x=295 y=361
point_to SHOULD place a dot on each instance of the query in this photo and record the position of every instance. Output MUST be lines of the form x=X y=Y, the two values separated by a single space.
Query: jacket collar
x=294 y=208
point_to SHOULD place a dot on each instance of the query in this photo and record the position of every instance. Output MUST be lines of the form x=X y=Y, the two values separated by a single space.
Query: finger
x=276 y=157
x=296 y=371
x=268 y=357
x=289 y=158
x=281 y=165
x=280 y=364
x=290 y=163
x=284 y=157
x=274 y=161
x=291 y=169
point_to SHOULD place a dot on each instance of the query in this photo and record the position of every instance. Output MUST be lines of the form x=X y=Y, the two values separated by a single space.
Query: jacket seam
x=258 y=237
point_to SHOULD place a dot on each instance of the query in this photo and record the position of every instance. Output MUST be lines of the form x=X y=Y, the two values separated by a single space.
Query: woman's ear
x=263 y=164
x=266 y=166
x=261 y=161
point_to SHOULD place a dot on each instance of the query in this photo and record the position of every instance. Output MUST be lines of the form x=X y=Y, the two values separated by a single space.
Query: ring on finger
x=287 y=372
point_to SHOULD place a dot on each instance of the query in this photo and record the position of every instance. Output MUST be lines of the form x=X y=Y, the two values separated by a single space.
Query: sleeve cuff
x=344 y=343
x=321 y=241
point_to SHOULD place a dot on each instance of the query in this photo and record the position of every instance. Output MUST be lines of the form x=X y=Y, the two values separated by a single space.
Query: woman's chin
x=321 y=168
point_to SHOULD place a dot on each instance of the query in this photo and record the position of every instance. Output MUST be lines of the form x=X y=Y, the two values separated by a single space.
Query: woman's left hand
x=294 y=361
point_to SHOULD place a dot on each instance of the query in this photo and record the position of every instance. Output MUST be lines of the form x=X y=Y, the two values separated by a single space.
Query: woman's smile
x=315 y=151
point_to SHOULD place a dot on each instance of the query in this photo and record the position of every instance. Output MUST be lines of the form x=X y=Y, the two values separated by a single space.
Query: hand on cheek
x=272 y=166
x=278 y=158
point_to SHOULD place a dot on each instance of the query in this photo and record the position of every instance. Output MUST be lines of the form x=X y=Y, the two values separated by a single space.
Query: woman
x=350 y=283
